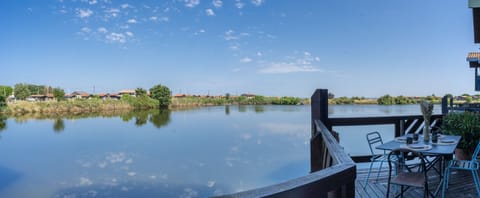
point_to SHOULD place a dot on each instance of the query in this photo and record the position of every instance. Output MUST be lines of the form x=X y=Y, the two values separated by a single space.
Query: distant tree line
x=160 y=95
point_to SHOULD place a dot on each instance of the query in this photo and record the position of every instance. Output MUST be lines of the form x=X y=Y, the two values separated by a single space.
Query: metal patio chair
x=467 y=165
x=374 y=139
x=405 y=177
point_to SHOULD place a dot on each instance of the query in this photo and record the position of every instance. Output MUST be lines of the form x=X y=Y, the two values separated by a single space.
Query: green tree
x=162 y=94
x=258 y=100
x=3 y=102
x=140 y=92
x=21 y=91
x=6 y=90
x=59 y=94
x=386 y=100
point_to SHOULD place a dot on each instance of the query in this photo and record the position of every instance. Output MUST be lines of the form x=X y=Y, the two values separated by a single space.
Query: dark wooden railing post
x=319 y=111
x=319 y=107
x=445 y=104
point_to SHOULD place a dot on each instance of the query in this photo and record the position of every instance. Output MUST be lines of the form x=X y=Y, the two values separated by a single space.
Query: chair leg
x=379 y=169
x=445 y=181
x=475 y=179
x=368 y=174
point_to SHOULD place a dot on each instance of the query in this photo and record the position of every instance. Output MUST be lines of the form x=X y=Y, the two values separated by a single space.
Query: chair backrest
x=373 y=138
x=475 y=153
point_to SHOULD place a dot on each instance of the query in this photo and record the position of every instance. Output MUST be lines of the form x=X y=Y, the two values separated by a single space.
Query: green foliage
x=258 y=100
x=3 y=103
x=162 y=94
x=59 y=94
x=140 y=92
x=286 y=101
x=344 y=100
x=403 y=100
x=141 y=102
x=5 y=90
x=386 y=100
x=21 y=91
x=465 y=124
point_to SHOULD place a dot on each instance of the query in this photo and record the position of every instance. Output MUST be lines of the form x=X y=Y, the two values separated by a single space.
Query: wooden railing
x=333 y=172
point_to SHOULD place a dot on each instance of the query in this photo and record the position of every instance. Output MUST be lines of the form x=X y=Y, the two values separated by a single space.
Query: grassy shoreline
x=136 y=103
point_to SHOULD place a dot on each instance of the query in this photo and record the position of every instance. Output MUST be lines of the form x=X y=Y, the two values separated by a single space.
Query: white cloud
x=113 y=11
x=86 y=29
x=164 y=19
x=229 y=35
x=209 y=12
x=116 y=37
x=246 y=60
x=125 y=5
x=91 y=2
x=191 y=3
x=279 y=68
x=132 y=21
x=130 y=34
x=259 y=54
x=217 y=3
x=239 y=4
x=102 y=30
x=85 y=181
x=84 y=13
x=257 y=2
x=202 y=31
x=153 y=18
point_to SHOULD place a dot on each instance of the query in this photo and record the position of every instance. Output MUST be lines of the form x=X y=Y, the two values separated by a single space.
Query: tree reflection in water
x=58 y=125
x=160 y=118
x=3 y=122
x=141 y=118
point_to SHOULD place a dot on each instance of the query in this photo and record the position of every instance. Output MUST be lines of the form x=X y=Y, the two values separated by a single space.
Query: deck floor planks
x=461 y=184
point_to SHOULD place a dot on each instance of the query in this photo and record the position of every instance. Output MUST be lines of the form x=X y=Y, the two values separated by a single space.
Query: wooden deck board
x=461 y=184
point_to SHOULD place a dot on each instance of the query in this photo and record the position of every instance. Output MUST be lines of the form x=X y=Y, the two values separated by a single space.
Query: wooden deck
x=461 y=184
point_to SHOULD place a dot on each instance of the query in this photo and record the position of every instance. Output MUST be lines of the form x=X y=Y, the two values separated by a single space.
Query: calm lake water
x=190 y=153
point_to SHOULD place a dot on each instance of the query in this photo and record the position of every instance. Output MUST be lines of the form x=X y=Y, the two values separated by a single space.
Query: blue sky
x=274 y=48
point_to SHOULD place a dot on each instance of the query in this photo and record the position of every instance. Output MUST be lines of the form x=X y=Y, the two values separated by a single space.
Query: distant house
x=40 y=97
x=249 y=96
x=180 y=96
x=103 y=96
x=79 y=95
x=115 y=96
x=130 y=92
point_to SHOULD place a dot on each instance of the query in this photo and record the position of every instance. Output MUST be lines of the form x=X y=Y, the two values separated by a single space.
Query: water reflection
x=227 y=109
x=3 y=122
x=58 y=125
x=157 y=118
x=160 y=118
x=259 y=108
